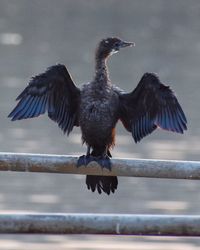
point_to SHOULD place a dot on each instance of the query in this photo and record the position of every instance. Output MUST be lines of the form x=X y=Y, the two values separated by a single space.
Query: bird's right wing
x=53 y=92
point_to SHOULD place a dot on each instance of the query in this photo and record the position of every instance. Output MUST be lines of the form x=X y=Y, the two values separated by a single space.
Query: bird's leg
x=88 y=151
x=104 y=159
x=84 y=159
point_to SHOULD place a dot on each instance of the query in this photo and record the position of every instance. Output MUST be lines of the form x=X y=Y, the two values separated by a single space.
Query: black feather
x=150 y=105
x=52 y=91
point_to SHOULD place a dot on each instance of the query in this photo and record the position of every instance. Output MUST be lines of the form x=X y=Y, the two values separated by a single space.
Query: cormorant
x=98 y=105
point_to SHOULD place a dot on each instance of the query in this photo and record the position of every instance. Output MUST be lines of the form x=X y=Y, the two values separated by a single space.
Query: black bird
x=98 y=105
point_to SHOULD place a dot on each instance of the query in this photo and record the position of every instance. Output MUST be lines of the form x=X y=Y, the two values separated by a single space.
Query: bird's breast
x=98 y=106
x=98 y=113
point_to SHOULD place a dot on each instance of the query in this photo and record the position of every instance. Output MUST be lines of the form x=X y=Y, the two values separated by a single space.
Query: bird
x=96 y=107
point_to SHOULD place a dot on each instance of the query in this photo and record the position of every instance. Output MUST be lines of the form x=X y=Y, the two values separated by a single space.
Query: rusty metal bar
x=120 y=167
x=157 y=225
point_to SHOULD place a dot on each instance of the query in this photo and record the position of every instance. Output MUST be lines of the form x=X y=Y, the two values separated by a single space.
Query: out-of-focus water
x=36 y=34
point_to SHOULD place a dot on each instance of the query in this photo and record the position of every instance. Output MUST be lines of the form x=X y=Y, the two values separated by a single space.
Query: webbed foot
x=83 y=160
x=104 y=161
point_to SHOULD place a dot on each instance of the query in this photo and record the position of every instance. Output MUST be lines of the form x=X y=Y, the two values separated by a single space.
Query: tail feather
x=106 y=184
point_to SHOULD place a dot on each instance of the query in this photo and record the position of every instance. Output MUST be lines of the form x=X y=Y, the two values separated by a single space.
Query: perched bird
x=98 y=105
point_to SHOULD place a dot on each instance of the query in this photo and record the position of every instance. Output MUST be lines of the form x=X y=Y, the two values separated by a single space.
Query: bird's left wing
x=151 y=105
x=53 y=92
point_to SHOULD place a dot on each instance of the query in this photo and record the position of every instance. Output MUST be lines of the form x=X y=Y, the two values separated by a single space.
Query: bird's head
x=110 y=46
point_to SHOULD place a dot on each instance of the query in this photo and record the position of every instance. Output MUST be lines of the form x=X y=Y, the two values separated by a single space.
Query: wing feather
x=151 y=105
x=53 y=92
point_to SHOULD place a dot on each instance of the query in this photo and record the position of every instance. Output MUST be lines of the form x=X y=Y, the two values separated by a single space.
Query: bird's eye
x=106 y=41
x=116 y=44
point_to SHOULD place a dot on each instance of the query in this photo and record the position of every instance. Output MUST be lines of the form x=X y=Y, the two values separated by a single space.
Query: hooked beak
x=126 y=44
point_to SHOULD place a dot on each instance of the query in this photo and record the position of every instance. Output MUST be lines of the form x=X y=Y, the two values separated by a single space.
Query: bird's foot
x=103 y=161
x=83 y=160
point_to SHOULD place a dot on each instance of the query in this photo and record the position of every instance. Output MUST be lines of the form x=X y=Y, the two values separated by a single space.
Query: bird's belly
x=97 y=122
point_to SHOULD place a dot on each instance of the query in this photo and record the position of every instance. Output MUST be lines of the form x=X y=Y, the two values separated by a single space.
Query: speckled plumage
x=98 y=114
x=98 y=106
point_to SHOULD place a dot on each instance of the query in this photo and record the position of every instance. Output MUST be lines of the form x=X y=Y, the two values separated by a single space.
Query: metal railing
x=120 y=167
x=98 y=223
x=160 y=225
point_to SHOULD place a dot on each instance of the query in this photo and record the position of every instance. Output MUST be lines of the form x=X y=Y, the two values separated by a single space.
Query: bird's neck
x=101 y=71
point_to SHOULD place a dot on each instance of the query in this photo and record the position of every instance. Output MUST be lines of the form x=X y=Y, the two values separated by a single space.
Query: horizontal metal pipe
x=120 y=167
x=100 y=224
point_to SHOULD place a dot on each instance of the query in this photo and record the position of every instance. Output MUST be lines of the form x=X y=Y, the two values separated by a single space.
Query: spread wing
x=53 y=92
x=151 y=105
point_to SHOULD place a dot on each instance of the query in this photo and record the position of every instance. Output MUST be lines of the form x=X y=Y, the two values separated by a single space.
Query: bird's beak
x=126 y=44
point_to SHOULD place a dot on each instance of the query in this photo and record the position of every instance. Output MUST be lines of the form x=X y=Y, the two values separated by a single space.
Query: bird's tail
x=106 y=184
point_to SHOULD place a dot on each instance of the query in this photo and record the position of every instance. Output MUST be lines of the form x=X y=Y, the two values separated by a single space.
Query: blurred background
x=36 y=34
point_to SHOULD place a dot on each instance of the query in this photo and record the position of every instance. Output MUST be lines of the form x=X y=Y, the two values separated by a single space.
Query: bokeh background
x=36 y=34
